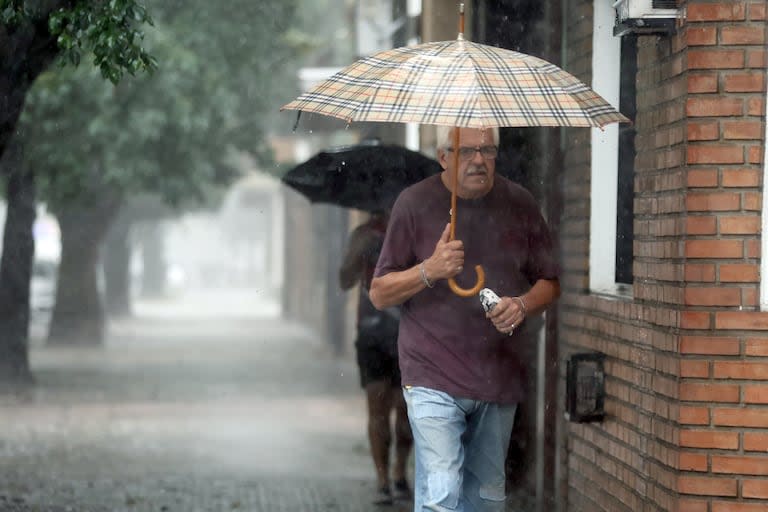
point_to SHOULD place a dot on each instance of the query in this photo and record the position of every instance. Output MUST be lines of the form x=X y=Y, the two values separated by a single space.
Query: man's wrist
x=424 y=277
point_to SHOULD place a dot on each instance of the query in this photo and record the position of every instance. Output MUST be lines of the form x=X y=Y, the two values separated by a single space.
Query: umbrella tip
x=460 y=37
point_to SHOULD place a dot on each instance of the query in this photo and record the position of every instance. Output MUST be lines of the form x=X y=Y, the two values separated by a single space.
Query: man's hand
x=507 y=315
x=448 y=258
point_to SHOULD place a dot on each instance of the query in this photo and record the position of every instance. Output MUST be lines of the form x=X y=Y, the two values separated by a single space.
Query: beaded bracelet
x=424 y=278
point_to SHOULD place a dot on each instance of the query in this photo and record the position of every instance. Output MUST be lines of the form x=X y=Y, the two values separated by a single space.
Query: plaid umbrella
x=457 y=83
x=462 y=84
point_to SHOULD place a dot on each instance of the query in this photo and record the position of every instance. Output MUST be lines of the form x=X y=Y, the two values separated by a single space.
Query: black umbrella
x=367 y=176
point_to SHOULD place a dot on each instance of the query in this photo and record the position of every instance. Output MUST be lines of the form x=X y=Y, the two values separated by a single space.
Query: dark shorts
x=377 y=360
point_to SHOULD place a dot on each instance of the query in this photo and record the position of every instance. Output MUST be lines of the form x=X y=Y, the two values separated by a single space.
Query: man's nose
x=477 y=156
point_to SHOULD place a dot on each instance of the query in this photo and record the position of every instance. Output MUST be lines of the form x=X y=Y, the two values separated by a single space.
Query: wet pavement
x=212 y=403
x=206 y=403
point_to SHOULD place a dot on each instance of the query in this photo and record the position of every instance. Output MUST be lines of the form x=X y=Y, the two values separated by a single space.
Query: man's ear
x=442 y=158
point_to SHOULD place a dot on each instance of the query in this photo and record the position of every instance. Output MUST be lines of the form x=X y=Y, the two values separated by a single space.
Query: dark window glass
x=625 y=193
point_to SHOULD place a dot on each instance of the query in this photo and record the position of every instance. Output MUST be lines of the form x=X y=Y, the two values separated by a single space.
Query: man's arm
x=394 y=288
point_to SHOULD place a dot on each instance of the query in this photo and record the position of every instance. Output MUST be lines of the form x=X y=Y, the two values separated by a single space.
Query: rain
x=223 y=283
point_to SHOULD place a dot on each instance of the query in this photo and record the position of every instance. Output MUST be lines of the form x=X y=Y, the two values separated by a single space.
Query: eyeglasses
x=466 y=153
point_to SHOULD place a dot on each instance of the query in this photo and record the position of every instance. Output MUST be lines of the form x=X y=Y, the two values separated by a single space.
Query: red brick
x=741 y=370
x=709 y=345
x=702 y=82
x=703 y=272
x=697 y=225
x=709 y=130
x=688 y=505
x=722 y=106
x=715 y=155
x=754 y=489
x=755 y=154
x=742 y=34
x=757 y=11
x=712 y=296
x=692 y=462
x=739 y=465
x=704 y=486
x=713 y=439
x=752 y=201
x=741 y=177
x=741 y=225
x=756 y=394
x=752 y=248
x=695 y=320
x=702 y=178
x=694 y=368
x=713 y=249
x=755 y=441
x=755 y=107
x=746 y=320
x=740 y=417
x=756 y=58
x=716 y=59
x=722 y=11
x=739 y=273
x=700 y=392
x=700 y=36
x=693 y=415
x=756 y=347
x=744 y=82
x=712 y=201
x=742 y=130
x=729 y=506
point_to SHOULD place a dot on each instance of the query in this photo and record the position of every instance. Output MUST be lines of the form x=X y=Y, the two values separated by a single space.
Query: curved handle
x=469 y=292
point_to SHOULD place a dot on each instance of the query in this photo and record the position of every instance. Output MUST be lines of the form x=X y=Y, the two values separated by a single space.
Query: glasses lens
x=489 y=152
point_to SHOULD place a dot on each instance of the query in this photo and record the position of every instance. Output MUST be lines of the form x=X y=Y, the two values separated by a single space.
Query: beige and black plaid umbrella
x=457 y=83
x=462 y=84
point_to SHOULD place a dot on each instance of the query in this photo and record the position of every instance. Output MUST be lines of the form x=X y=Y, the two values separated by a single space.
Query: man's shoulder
x=421 y=191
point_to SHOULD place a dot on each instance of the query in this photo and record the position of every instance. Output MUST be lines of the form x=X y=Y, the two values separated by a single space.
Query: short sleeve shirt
x=445 y=341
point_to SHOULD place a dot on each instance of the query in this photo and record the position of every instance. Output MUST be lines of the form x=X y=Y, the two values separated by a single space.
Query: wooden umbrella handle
x=452 y=284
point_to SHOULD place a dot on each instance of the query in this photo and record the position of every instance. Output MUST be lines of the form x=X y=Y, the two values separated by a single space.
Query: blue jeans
x=460 y=446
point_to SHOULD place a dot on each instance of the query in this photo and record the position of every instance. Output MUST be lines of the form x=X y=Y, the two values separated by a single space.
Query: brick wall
x=723 y=370
x=687 y=386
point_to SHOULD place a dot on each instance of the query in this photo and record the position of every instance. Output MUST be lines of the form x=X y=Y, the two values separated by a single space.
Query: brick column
x=723 y=368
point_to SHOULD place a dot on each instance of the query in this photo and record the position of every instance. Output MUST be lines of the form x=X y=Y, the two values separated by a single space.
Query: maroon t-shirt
x=446 y=342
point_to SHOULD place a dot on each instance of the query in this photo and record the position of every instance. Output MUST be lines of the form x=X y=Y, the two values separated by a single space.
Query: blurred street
x=210 y=402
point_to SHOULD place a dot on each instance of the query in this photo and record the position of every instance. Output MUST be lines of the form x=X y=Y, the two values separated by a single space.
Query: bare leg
x=379 y=431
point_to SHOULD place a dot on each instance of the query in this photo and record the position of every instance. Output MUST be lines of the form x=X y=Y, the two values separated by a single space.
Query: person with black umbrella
x=376 y=350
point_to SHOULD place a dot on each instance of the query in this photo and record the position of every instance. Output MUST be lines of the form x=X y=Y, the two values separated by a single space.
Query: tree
x=32 y=35
x=173 y=133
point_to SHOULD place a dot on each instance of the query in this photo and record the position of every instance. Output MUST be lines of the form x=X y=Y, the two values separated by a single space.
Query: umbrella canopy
x=461 y=84
x=367 y=177
x=457 y=83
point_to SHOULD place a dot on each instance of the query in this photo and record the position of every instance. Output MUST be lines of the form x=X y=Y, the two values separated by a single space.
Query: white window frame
x=606 y=66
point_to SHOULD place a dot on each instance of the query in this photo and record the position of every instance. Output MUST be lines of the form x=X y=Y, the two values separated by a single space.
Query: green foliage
x=108 y=29
x=171 y=132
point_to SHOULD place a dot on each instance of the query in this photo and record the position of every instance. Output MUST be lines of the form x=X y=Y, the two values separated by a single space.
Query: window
x=612 y=155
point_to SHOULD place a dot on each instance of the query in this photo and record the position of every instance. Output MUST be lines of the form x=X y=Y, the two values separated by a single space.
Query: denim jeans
x=460 y=446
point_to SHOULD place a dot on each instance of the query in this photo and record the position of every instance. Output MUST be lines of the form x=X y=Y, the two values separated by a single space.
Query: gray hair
x=443 y=139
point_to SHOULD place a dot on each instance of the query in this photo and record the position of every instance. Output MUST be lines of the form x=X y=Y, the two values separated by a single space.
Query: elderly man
x=461 y=367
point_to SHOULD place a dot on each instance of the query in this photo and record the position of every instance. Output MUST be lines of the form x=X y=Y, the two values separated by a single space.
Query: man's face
x=477 y=163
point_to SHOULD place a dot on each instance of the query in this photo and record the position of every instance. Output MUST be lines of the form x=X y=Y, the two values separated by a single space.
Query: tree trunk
x=117 y=268
x=78 y=316
x=26 y=50
x=16 y=270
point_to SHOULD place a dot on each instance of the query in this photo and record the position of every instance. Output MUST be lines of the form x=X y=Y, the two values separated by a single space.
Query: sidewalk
x=194 y=406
